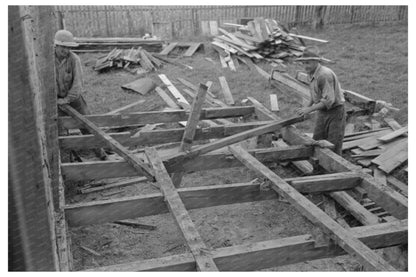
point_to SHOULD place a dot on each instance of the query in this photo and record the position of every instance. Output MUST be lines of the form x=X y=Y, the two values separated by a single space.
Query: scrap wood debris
x=383 y=150
x=261 y=39
x=133 y=60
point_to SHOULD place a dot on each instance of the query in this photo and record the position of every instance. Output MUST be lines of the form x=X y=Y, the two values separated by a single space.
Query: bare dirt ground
x=371 y=60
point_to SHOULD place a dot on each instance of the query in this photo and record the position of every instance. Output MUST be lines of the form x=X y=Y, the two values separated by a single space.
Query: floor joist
x=155 y=137
x=143 y=118
x=369 y=259
x=199 y=250
x=272 y=253
x=97 y=212
x=115 y=169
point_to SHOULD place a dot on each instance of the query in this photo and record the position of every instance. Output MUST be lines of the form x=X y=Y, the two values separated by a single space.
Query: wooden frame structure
x=342 y=180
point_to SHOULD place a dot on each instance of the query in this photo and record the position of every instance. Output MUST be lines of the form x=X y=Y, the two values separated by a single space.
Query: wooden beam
x=143 y=118
x=369 y=259
x=308 y=38
x=116 y=111
x=154 y=137
x=387 y=198
x=272 y=253
x=391 y=136
x=272 y=127
x=191 y=125
x=274 y=105
x=399 y=185
x=360 y=100
x=167 y=98
x=194 y=115
x=229 y=100
x=355 y=208
x=175 y=92
x=199 y=250
x=137 y=164
x=98 y=212
x=116 y=169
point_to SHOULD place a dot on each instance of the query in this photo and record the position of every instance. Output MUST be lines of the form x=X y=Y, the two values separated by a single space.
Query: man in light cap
x=327 y=98
x=69 y=82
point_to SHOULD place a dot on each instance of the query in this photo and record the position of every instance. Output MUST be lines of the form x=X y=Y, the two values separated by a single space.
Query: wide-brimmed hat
x=310 y=54
x=65 y=38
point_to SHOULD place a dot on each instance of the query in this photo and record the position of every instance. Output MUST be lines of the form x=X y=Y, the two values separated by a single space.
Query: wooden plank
x=154 y=137
x=223 y=63
x=247 y=37
x=175 y=92
x=393 y=157
x=167 y=98
x=399 y=185
x=303 y=166
x=116 y=111
x=192 y=49
x=232 y=38
x=199 y=250
x=391 y=136
x=390 y=200
x=274 y=105
x=357 y=134
x=369 y=259
x=193 y=119
x=365 y=143
x=272 y=127
x=308 y=38
x=98 y=212
x=168 y=48
x=392 y=123
x=359 y=100
x=229 y=100
x=370 y=153
x=143 y=118
x=379 y=176
x=114 y=185
x=272 y=253
x=137 y=164
x=331 y=210
x=355 y=208
x=116 y=169
x=192 y=123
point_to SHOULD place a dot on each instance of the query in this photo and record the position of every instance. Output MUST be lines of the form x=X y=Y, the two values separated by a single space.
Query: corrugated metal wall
x=185 y=21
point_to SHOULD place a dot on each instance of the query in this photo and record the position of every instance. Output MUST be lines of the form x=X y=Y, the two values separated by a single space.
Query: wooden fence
x=169 y=22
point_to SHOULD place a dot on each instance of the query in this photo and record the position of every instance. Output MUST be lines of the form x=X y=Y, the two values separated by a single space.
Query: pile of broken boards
x=383 y=150
x=259 y=39
x=133 y=60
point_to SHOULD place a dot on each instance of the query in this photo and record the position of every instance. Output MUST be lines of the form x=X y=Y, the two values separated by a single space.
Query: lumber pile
x=383 y=150
x=94 y=44
x=260 y=39
x=134 y=60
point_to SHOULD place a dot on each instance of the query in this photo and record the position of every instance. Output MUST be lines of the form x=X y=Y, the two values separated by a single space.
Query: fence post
x=319 y=17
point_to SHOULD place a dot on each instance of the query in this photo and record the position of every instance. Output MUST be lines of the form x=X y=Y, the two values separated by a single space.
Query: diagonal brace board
x=369 y=259
x=272 y=127
x=138 y=165
x=198 y=248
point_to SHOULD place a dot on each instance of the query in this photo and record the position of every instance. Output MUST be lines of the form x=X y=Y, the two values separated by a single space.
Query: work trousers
x=330 y=125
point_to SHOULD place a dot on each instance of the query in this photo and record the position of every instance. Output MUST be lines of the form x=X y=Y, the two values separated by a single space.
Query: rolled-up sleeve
x=326 y=85
x=77 y=86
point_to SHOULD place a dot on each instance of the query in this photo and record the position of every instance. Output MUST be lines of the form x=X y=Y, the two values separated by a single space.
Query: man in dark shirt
x=327 y=98
x=69 y=82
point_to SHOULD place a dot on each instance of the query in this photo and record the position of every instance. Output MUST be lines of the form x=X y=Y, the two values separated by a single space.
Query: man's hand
x=62 y=101
x=303 y=111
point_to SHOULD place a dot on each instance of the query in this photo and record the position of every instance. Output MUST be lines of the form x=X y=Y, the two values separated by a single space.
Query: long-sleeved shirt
x=69 y=77
x=324 y=87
